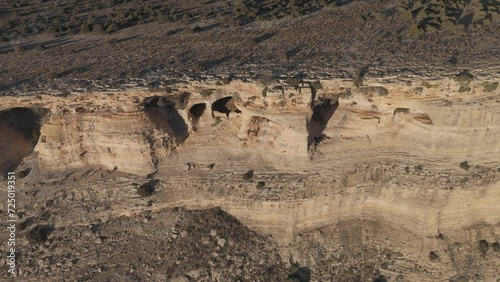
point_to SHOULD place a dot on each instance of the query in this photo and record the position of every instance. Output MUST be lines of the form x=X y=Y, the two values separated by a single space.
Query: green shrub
x=464 y=89
x=264 y=92
x=217 y=120
x=293 y=82
x=261 y=184
x=429 y=85
x=206 y=92
x=414 y=30
x=489 y=86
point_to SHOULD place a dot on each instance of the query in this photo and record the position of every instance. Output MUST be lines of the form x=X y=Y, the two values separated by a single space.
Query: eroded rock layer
x=391 y=179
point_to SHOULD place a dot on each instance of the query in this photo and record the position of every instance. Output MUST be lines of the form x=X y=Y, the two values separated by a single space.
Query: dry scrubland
x=252 y=140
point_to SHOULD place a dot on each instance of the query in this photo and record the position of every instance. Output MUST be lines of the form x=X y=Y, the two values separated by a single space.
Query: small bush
x=148 y=188
x=465 y=165
x=226 y=80
x=414 y=30
x=495 y=246
x=489 y=86
x=433 y=256
x=206 y=92
x=463 y=77
x=316 y=84
x=299 y=274
x=261 y=184
x=20 y=48
x=264 y=92
x=464 y=89
x=41 y=47
x=217 y=120
x=111 y=28
x=39 y=234
x=483 y=246
x=293 y=82
x=428 y=85
x=84 y=28
x=248 y=175
x=98 y=29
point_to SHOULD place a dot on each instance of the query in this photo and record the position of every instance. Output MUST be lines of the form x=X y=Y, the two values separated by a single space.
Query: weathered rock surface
x=361 y=183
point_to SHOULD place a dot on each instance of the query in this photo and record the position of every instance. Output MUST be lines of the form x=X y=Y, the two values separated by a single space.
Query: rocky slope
x=383 y=179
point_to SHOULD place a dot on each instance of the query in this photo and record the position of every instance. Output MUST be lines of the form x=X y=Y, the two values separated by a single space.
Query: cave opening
x=195 y=113
x=323 y=111
x=20 y=130
x=164 y=115
x=225 y=105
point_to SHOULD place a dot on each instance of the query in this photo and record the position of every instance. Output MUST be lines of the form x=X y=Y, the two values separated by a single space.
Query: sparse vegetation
x=264 y=92
x=20 y=48
x=429 y=85
x=261 y=184
x=483 y=246
x=226 y=80
x=292 y=82
x=206 y=92
x=489 y=86
x=433 y=256
x=464 y=89
x=495 y=246
x=39 y=234
x=296 y=273
x=217 y=120
x=465 y=165
x=148 y=188
x=316 y=84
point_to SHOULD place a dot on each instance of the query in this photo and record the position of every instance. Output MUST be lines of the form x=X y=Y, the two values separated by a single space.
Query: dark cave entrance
x=225 y=105
x=195 y=113
x=164 y=115
x=20 y=132
x=323 y=111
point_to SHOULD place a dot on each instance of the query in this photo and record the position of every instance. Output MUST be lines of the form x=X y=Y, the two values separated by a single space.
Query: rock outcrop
x=360 y=182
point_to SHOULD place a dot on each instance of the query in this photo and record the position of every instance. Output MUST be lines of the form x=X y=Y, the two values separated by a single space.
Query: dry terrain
x=252 y=140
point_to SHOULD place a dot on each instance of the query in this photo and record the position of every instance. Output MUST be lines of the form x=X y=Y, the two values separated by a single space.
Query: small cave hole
x=164 y=115
x=20 y=130
x=195 y=113
x=225 y=105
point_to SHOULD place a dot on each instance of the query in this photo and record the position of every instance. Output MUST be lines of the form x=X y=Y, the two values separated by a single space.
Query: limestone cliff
x=397 y=175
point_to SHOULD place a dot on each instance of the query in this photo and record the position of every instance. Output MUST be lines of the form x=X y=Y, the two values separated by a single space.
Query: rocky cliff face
x=392 y=179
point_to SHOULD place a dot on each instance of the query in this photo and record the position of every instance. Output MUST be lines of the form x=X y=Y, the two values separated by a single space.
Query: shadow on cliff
x=323 y=111
x=225 y=106
x=195 y=113
x=20 y=131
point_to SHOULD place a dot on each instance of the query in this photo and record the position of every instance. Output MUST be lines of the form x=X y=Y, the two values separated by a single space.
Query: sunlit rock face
x=397 y=176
